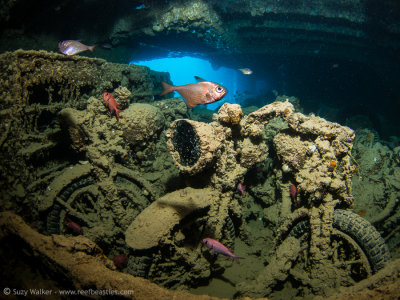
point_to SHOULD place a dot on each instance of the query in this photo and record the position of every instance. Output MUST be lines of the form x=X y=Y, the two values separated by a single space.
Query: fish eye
x=219 y=89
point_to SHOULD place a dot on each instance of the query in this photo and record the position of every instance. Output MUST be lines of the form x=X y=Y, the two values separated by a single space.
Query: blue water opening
x=183 y=69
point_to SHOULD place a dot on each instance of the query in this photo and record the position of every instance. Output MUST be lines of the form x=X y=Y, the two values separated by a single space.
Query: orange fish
x=203 y=92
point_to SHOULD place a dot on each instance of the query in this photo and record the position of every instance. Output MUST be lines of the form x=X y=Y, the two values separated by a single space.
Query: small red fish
x=217 y=247
x=361 y=212
x=71 y=47
x=203 y=92
x=293 y=192
x=120 y=261
x=111 y=104
x=76 y=228
x=241 y=188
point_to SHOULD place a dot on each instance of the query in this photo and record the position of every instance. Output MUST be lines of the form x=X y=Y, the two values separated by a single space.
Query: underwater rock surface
x=142 y=123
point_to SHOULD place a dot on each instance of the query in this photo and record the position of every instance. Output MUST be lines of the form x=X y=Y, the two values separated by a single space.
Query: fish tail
x=117 y=111
x=91 y=48
x=167 y=88
x=236 y=259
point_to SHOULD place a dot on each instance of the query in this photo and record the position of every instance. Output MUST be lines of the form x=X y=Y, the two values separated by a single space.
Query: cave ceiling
x=352 y=29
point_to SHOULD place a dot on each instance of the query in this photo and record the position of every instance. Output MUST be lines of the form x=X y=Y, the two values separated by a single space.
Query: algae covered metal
x=153 y=184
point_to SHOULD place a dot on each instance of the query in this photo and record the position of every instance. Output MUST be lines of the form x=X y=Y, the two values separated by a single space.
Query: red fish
x=111 y=104
x=120 y=261
x=293 y=192
x=217 y=247
x=76 y=228
x=203 y=92
x=241 y=188
x=71 y=47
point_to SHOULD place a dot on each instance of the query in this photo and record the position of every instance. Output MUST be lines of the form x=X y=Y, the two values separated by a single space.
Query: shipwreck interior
x=296 y=171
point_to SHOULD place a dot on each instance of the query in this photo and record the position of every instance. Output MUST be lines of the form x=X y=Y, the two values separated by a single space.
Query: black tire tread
x=365 y=234
x=358 y=228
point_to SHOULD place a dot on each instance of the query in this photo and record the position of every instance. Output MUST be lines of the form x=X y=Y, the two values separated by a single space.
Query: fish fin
x=167 y=88
x=199 y=78
x=189 y=103
x=213 y=251
x=117 y=111
x=209 y=98
x=236 y=259
x=91 y=48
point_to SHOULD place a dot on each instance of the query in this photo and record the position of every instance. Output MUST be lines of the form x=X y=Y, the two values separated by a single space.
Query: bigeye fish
x=71 y=47
x=203 y=92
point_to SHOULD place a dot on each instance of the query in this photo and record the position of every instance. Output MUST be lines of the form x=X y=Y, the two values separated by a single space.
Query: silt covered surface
x=68 y=160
